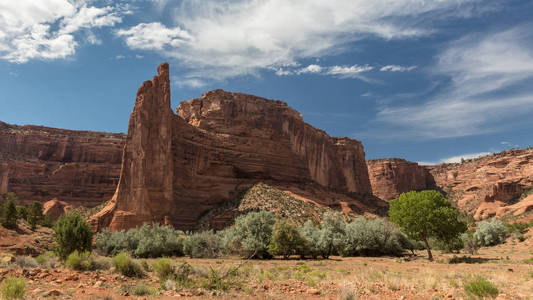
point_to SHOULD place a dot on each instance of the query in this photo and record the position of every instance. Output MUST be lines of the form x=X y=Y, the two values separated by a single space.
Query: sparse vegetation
x=491 y=233
x=128 y=267
x=13 y=288
x=203 y=244
x=480 y=288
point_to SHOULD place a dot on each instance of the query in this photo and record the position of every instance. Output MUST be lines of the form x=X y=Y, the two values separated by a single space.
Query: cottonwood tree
x=426 y=214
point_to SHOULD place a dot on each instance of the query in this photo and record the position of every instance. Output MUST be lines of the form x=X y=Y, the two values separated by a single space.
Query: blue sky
x=429 y=81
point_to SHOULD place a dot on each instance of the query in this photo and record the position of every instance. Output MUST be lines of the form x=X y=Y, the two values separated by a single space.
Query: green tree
x=312 y=236
x=9 y=214
x=72 y=233
x=251 y=234
x=35 y=214
x=426 y=214
x=22 y=212
x=286 y=240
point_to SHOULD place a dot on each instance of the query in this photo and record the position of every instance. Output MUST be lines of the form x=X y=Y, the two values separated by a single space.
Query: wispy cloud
x=50 y=29
x=455 y=159
x=491 y=77
x=222 y=39
x=396 y=68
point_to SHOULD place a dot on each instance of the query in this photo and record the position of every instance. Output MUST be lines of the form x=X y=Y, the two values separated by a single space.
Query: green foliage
x=127 y=266
x=47 y=260
x=372 y=237
x=9 y=214
x=145 y=241
x=250 y=236
x=72 y=233
x=286 y=240
x=163 y=269
x=311 y=233
x=144 y=290
x=480 y=288
x=26 y=262
x=490 y=233
x=471 y=244
x=79 y=261
x=218 y=281
x=13 y=288
x=517 y=227
x=35 y=214
x=202 y=244
x=332 y=231
x=426 y=214
x=22 y=212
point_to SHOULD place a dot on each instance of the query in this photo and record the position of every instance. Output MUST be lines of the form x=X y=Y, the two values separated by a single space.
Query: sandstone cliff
x=392 y=176
x=40 y=163
x=176 y=168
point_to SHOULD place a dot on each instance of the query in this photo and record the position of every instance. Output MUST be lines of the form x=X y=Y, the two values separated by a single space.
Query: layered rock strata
x=40 y=163
x=176 y=168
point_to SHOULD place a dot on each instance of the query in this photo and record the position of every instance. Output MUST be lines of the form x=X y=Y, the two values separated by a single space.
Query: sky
x=428 y=81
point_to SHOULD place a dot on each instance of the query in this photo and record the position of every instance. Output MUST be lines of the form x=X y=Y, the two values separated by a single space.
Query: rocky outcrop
x=392 y=176
x=492 y=185
x=40 y=163
x=176 y=168
x=55 y=208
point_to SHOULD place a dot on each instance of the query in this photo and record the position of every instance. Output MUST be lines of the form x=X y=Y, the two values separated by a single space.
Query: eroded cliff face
x=493 y=185
x=178 y=167
x=392 y=176
x=40 y=163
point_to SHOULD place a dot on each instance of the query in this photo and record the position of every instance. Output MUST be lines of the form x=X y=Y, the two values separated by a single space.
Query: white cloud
x=310 y=69
x=396 y=68
x=47 y=29
x=454 y=159
x=189 y=82
x=491 y=78
x=348 y=71
x=120 y=56
x=221 y=39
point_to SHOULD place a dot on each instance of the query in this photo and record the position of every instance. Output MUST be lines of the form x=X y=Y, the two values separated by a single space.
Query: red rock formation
x=177 y=167
x=491 y=185
x=55 y=208
x=392 y=176
x=40 y=163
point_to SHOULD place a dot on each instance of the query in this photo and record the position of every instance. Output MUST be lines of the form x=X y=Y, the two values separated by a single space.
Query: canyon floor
x=508 y=266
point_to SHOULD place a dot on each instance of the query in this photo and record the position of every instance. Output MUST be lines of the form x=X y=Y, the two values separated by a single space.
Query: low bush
x=128 y=267
x=481 y=288
x=203 y=244
x=47 y=260
x=13 y=288
x=145 y=241
x=163 y=269
x=490 y=233
x=26 y=262
x=286 y=240
x=250 y=236
x=79 y=261
x=72 y=233
x=470 y=242
x=517 y=227
x=144 y=290
x=372 y=237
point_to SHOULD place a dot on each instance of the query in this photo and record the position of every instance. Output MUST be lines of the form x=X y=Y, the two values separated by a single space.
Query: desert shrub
x=72 y=233
x=26 y=262
x=222 y=281
x=145 y=241
x=311 y=233
x=372 y=237
x=127 y=266
x=250 y=235
x=79 y=261
x=453 y=245
x=286 y=240
x=101 y=263
x=35 y=214
x=163 y=269
x=47 y=260
x=332 y=232
x=22 y=212
x=490 y=232
x=9 y=214
x=13 y=288
x=202 y=244
x=481 y=288
x=169 y=284
x=471 y=244
x=517 y=227
x=144 y=290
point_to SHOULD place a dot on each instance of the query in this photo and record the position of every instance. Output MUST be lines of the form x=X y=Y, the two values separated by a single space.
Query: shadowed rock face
x=40 y=163
x=175 y=168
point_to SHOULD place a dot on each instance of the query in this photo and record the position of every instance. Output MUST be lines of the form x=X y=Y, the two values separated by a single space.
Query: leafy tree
x=286 y=240
x=9 y=214
x=312 y=236
x=35 y=214
x=372 y=237
x=426 y=214
x=72 y=233
x=251 y=234
x=332 y=231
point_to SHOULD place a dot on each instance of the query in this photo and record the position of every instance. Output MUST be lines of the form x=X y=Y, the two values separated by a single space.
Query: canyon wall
x=40 y=163
x=392 y=176
x=177 y=167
